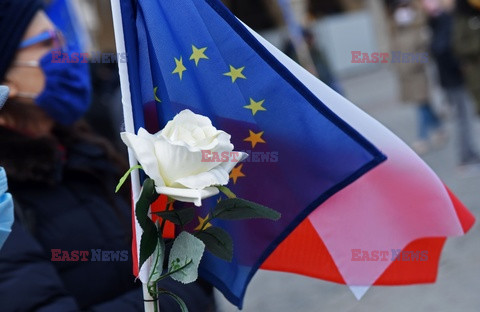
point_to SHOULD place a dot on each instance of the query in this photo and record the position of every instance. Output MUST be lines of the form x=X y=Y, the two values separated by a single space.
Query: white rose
x=173 y=157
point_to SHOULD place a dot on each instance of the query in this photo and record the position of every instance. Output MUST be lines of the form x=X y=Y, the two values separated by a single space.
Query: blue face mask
x=67 y=91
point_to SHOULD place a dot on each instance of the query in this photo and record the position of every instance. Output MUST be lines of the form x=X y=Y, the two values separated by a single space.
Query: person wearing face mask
x=62 y=178
x=409 y=35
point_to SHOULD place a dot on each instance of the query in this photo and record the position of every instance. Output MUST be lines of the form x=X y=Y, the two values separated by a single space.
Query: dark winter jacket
x=70 y=245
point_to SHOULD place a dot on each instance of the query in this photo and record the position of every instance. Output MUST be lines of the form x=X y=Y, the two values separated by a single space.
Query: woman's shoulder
x=46 y=160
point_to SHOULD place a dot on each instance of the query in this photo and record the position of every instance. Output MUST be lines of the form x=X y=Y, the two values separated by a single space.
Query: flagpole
x=150 y=305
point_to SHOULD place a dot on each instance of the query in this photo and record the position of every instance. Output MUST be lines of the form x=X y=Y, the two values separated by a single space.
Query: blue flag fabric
x=195 y=54
x=63 y=15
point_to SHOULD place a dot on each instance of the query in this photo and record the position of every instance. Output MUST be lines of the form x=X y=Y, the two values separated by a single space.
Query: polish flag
x=399 y=205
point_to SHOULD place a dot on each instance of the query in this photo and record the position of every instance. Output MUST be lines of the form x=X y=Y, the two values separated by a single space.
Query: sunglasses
x=50 y=35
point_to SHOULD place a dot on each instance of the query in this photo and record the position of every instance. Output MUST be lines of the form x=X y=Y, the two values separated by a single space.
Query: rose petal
x=220 y=143
x=218 y=175
x=188 y=117
x=178 y=161
x=194 y=131
x=146 y=135
x=198 y=134
x=187 y=195
x=144 y=151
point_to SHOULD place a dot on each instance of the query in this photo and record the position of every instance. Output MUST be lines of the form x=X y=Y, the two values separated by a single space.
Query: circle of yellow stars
x=199 y=54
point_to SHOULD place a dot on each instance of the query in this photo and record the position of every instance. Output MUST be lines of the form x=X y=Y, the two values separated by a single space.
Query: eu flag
x=64 y=16
x=195 y=54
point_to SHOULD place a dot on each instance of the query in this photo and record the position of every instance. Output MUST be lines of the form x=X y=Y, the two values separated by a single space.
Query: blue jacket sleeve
x=6 y=209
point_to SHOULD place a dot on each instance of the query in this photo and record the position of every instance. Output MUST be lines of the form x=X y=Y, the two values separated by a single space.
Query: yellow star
x=198 y=54
x=155 y=95
x=201 y=222
x=236 y=173
x=235 y=73
x=179 y=69
x=255 y=106
x=255 y=138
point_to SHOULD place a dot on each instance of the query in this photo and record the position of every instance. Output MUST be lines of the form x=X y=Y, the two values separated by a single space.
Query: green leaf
x=240 y=209
x=147 y=197
x=185 y=256
x=178 y=216
x=179 y=300
x=125 y=176
x=149 y=239
x=148 y=243
x=218 y=242
x=225 y=190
